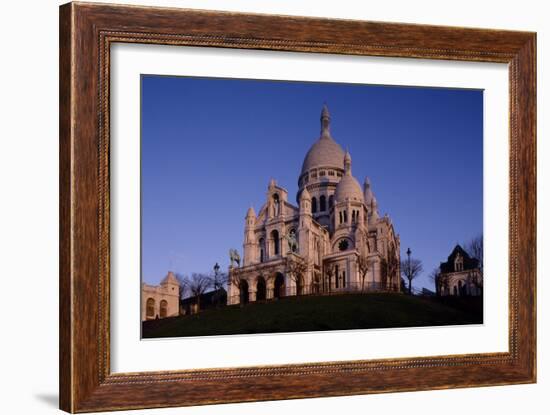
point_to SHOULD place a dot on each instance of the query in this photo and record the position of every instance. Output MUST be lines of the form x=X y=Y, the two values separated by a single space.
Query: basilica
x=333 y=241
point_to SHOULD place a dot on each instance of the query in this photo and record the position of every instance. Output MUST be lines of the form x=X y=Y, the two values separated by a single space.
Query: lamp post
x=409 y=252
x=216 y=269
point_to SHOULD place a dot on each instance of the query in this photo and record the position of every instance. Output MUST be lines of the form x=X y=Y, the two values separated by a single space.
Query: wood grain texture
x=86 y=33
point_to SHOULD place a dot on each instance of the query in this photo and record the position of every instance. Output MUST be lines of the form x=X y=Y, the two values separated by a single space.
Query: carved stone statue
x=292 y=241
x=234 y=257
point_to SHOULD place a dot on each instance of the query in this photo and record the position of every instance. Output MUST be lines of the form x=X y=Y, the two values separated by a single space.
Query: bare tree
x=389 y=269
x=403 y=284
x=198 y=285
x=184 y=285
x=363 y=265
x=296 y=268
x=411 y=268
x=219 y=280
x=434 y=277
x=475 y=249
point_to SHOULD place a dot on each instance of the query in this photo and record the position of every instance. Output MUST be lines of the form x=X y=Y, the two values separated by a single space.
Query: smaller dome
x=348 y=188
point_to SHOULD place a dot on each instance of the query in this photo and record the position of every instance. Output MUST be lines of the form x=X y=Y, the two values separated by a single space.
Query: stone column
x=251 y=295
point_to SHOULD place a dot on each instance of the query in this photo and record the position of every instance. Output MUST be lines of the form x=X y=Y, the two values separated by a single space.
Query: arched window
x=262 y=249
x=330 y=201
x=345 y=216
x=275 y=241
x=163 y=309
x=150 y=309
x=261 y=290
x=279 y=286
x=341 y=217
x=322 y=203
x=336 y=276
x=243 y=292
x=276 y=204
x=313 y=205
x=459 y=263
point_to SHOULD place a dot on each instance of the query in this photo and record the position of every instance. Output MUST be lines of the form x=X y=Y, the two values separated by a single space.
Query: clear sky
x=210 y=146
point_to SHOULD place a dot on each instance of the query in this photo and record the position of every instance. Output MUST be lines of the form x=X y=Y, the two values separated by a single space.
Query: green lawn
x=314 y=313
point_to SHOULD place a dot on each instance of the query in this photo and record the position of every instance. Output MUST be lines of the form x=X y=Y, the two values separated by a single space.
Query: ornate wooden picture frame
x=87 y=32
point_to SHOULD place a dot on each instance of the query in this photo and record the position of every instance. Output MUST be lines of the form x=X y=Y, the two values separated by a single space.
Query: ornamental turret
x=249 y=245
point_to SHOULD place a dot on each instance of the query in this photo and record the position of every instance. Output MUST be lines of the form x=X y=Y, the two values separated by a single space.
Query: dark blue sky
x=210 y=146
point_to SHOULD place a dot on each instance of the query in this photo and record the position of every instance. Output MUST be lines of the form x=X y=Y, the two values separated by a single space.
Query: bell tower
x=249 y=245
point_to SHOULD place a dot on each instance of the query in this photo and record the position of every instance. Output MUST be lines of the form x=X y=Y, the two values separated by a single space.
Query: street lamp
x=216 y=268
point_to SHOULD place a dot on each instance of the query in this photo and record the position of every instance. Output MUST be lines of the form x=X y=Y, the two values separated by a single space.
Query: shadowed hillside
x=315 y=313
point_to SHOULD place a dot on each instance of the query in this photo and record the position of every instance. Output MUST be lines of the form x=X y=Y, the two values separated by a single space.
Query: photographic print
x=279 y=206
x=317 y=201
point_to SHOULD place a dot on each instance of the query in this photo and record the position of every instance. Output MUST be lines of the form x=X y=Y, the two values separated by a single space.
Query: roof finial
x=325 y=122
x=347 y=163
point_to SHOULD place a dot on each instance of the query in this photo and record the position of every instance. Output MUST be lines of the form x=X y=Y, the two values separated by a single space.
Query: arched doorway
x=163 y=309
x=243 y=292
x=462 y=288
x=279 y=286
x=260 y=289
x=150 y=308
x=262 y=249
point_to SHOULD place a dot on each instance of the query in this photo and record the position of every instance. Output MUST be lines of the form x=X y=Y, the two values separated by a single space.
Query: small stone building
x=460 y=275
x=322 y=244
x=160 y=301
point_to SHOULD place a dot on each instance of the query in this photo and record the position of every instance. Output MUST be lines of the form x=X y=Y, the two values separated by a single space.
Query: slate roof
x=449 y=265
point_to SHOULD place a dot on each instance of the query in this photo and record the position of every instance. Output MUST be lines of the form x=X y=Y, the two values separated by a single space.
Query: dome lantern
x=325 y=122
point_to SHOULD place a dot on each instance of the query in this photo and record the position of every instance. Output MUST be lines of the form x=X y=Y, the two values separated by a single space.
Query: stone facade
x=333 y=241
x=160 y=301
x=460 y=275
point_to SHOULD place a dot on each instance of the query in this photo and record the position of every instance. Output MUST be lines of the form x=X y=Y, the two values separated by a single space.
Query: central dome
x=325 y=152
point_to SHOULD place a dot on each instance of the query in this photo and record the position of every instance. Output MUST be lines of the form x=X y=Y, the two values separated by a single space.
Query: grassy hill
x=315 y=313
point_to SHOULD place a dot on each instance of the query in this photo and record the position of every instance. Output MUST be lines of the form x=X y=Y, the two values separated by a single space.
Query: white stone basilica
x=333 y=242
